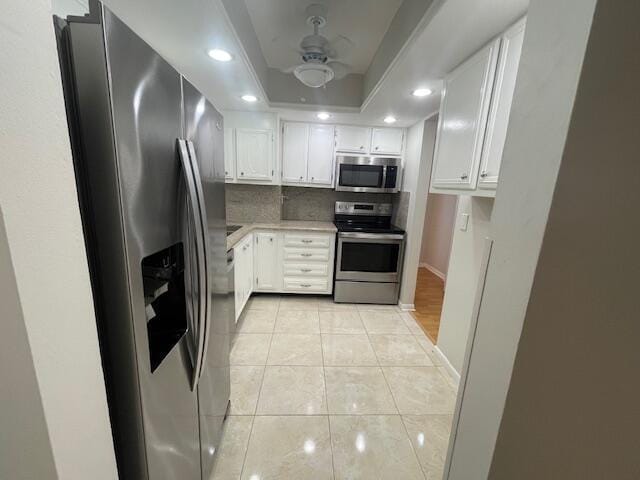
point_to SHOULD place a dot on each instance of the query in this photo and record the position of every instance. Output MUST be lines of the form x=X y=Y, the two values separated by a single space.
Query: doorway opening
x=437 y=237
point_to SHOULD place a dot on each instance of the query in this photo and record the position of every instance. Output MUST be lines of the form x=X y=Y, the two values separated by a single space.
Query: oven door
x=369 y=257
x=367 y=174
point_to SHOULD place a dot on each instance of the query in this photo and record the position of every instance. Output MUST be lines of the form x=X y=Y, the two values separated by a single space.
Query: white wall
x=417 y=174
x=437 y=235
x=467 y=249
x=576 y=370
x=40 y=206
x=549 y=70
x=62 y=8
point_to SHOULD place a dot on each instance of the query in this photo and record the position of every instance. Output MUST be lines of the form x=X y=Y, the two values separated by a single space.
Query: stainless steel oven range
x=369 y=254
x=368 y=174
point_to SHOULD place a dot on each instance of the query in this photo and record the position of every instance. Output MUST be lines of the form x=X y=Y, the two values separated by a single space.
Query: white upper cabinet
x=353 y=139
x=295 y=147
x=229 y=154
x=267 y=267
x=307 y=154
x=462 y=121
x=320 y=157
x=254 y=154
x=387 y=141
x=505 y=83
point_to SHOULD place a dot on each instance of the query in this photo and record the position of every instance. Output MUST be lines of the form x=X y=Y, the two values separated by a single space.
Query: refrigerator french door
x=148 y=158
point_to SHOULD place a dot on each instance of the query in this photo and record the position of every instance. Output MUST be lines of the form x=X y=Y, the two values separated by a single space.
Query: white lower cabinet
x=283 y=261
x=243 y=273
x=266 y=261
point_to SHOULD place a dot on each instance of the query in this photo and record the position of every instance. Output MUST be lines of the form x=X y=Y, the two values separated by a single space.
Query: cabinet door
x=254 y=150
x=320 y=158
x=229 y=154
x=387 y=141
x=462 y=121
x=249 y=276
x=238 y=279
x=266 y=261
x=498 y=122
x=295 y=141
x=353 y=139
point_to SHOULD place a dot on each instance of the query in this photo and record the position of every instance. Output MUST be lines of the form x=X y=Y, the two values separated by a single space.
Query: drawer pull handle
x=306 y=254
x=305 y=285
x=307 y=241
x=305 y=270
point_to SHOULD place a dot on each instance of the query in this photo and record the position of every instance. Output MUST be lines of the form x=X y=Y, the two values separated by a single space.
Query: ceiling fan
x=318 y=66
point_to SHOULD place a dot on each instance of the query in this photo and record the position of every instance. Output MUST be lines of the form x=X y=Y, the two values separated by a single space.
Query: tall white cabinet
x=266 y=260
x=474 y=116
x=505 y=83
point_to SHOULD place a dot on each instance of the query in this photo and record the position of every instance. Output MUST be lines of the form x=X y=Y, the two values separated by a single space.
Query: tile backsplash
x=271 y=203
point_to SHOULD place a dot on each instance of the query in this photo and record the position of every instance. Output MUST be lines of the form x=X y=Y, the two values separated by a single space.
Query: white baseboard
x=434 y=270
x=407 y=307
x=447 y=364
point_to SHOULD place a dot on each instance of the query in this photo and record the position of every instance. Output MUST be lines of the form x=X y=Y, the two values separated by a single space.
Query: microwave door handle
x=205 y=293
x=199 y=268
x=384 y=177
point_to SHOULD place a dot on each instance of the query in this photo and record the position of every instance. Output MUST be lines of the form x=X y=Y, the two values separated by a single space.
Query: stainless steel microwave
x=368 y=174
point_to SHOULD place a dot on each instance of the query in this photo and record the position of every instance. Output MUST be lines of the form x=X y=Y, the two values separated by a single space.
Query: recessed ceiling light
x=220 y=55
x=421 y=92
x=323 y=116
x=389 y=119
x=249 y=98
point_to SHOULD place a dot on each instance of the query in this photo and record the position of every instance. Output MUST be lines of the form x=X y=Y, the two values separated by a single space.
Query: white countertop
x=301 y=225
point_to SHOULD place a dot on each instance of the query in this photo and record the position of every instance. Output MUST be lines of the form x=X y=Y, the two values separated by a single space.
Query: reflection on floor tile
x=289 y=447
x=345 y=350
x=358 y=390
x=420 y=390
x=257 y=321
x=264 y=302
x=297 y=321
x=307 y=374
x=233 y=446
x=383 y=322
x=245 y=388
x=341 y=322
x=429 y=435
x=290 y=390
x=295 y=349
x=250 y=349
x=372 y=447
x=399 y=350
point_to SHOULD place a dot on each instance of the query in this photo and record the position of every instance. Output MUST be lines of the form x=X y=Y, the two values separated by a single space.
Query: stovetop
x=367 y=228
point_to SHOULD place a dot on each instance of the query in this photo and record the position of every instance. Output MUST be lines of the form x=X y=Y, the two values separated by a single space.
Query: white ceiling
x=280 y=25
x=183 y=31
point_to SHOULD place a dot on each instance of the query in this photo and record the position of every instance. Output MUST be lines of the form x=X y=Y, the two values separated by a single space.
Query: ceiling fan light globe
x=314 y=75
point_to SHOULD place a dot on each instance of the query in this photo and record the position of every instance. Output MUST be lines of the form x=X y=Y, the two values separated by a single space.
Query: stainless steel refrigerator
x=148 y=154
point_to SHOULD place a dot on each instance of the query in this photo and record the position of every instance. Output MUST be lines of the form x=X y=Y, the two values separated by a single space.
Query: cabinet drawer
x=294 y=284
x=296 y=240
x=306 y=270
x=306 y=254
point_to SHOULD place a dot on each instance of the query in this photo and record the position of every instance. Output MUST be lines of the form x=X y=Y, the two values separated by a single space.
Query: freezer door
x=146 y=110
x=204 y=129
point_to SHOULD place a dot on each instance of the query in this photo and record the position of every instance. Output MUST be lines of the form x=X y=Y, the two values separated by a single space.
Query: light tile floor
x=321 y=390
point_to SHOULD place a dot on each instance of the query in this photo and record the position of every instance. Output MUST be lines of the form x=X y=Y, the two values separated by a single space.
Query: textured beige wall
x=42 y=220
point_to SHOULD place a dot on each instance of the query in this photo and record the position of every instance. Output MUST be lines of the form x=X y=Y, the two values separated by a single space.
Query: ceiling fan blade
x=339 y=69
x=340 y=46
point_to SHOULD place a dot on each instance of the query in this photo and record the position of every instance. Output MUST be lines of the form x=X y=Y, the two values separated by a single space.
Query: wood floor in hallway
x=428 y=302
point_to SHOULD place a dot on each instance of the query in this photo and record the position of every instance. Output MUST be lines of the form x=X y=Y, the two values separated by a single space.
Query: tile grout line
x=415 y=454
x=253 y=417
x=326 y=400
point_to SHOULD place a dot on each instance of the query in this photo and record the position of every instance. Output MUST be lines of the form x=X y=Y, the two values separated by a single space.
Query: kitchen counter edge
x=299 y=225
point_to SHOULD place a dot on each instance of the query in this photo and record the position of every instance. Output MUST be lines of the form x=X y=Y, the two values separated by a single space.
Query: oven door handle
x=372 y=236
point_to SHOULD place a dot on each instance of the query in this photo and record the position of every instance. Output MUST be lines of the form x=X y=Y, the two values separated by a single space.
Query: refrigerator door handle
x=206 y=297
x=199 y=267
